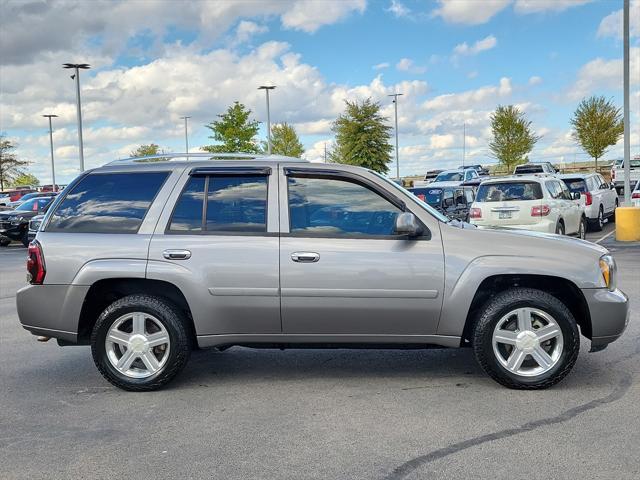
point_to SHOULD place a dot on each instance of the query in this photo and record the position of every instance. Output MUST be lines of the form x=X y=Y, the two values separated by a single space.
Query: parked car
x=29 y=196
x=9 y=196
x=144 y=259
x=454 y=202
x=537 y=167
x=34 y=226
x=635 y=195
x=541 y=203
x=14 y=224
x=483 y=172
x=617 y=173
x=601 y=199
x=452 y=178
x=429 y=177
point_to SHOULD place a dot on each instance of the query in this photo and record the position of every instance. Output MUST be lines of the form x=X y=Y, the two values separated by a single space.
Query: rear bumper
x=51 y=310
x=544 y=226
x=609 y=314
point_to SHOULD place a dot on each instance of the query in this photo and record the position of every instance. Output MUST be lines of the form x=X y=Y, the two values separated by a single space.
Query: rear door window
x=107 y=203
x=509 y=191
x=576 y=184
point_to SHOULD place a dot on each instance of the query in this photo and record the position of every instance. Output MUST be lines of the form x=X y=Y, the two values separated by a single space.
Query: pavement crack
x=410 y=466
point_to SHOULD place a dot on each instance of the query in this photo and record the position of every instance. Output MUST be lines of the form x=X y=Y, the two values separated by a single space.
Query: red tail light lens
x=422 y=197
x=613 y=174
x=35 y=264
x=540 y=210
x=475 y=213
x=588 y=198
x=635 y=195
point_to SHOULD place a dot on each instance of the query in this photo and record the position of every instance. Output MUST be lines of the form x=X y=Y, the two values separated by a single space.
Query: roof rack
x=206 y=156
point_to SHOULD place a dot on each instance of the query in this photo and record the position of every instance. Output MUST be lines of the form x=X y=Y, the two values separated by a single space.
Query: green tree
x=513 y=137
x=25 y=179
x=362 y=137
x=597 y=125
x=235 y=131
x=285 y=141
x=145 y=150
x=10 y=164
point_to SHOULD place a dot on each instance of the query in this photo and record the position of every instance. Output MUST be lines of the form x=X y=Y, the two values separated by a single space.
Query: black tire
x=582 y=229
x=24 y=238
x=560 y=228
x=612 y=218
x=598 y=223
x=173 y=321
x=509 y=300
x=4 y=242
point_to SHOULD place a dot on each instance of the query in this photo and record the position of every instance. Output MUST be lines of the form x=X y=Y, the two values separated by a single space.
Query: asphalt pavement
x=316 y=414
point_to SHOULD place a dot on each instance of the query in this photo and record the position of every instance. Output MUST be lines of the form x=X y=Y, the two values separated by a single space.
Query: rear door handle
x=305 y=257
x=176 y=254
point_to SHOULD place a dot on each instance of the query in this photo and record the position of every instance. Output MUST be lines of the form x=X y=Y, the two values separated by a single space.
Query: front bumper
x=51 y=310
x=11 y=231
x=609 y=314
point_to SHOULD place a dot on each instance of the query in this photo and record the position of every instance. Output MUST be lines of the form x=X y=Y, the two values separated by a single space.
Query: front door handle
x=176 y=254
x=305 y=257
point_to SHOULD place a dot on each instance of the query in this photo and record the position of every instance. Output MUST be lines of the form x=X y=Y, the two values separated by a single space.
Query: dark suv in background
x=14 y=224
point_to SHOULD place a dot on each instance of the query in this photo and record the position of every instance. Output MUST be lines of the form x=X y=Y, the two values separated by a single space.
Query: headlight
x=15 y=220
x=608 y=269
x=34 y=225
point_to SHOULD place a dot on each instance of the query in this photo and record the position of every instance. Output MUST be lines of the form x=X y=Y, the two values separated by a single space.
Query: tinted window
x=187 y=215
x=509 y=191
x=575 y=184
x=326 y=206
x=428 y=195
x=35 y=204
x=554 y=189
x=107 y=203
x=237 y=204
x=529 y=169
x=450 y=177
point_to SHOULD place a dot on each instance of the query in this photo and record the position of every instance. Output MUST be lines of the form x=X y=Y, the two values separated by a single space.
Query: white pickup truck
x=617 y=173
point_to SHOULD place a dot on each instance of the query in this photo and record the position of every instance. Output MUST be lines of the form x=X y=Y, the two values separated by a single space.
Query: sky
x=454 y=62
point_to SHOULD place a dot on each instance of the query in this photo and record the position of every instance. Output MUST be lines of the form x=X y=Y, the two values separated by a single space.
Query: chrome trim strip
x=244 y=291
x=358 y=293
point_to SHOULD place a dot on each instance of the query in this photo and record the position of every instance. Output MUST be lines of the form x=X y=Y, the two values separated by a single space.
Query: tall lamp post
x=186 y=134
x=266 y=88
x=54 y=187
x=627 y=131
x=395 y=104
x=77 y=67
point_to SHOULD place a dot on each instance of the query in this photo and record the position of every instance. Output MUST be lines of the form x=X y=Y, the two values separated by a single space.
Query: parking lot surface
x=308 y=414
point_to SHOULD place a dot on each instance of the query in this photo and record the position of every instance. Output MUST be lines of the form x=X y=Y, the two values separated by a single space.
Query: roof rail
x=205 y=156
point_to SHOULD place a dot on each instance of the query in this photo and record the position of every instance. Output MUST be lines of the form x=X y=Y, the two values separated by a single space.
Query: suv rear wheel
x=526 y=339
x=140 y=343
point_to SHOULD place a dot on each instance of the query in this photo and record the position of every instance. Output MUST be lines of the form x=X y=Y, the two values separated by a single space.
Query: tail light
x=613 y=174
x=540 y=210
x=35 y=264
x=475 y=213
x=588 y=198
x=635 y=195
x=422 y=197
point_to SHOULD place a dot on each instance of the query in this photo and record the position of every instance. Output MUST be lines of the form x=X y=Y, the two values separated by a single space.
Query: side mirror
x=575 y=196
x=604 y=186
x=612 y=186
x=407 y=224
x=447 y=202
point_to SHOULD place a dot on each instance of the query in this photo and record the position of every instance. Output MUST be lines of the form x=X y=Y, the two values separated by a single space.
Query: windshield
x=509 y=191
x=35 y=204
x=575 y=184
x=529 y=169
x=450 y=177
x=432 y=211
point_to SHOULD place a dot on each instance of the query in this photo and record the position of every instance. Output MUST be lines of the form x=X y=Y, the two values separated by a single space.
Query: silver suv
x=146 y=259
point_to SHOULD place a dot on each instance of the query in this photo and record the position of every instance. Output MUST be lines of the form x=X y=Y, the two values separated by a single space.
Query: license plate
x=504 y=215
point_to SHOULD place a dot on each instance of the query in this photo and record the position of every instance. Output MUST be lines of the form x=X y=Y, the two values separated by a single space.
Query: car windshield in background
x=529 y=169
x=450 y=177
x=509 y=191
x=431 y=196
x=35 y=204
x=575 y=184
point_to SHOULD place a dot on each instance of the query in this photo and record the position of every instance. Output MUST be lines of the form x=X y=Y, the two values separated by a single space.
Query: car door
x=607 y=194
x=217 y=241
x=343 y=270
x=572 y=208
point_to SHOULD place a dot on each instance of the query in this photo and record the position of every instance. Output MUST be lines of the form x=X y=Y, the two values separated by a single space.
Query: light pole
x=54 y=187
x=627 y=131
x=395 y=103
x=186 y=134
x=464 y=142
x=77 y=67
x=266 y=89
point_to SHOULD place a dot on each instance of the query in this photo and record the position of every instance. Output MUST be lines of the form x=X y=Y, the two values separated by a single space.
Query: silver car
x=145 y=259
x=600 y=198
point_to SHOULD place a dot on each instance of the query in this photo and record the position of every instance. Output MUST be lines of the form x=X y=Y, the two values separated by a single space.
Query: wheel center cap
x=527 y=341
x=139 y=344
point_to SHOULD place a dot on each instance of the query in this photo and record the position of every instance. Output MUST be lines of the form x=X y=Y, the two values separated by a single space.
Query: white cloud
x=407 y=65
x=441 y=141
x=539 y=6
x=310 y=15
x=246 y=30
x=469 y=12
x=600 y=75
x=398 y=9
x=535 y=80
x=611 y=25
x=473 y=74
x=486 y=43
x=381 y=66
x=489 y=95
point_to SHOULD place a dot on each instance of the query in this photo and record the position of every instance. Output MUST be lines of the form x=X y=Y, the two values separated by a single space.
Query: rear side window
x=107 y=203
x=222 y=204
x=509 y=191
x=575 y=184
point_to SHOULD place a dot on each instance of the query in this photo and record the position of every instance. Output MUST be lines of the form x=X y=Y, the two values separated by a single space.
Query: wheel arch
x=106 y=291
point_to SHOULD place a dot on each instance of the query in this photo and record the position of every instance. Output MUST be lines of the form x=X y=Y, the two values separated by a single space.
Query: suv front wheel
x=526 y=339
x=140 y=342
